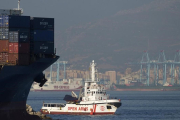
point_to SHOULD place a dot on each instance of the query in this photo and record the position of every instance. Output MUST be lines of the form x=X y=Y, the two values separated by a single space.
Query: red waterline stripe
x=78 y=113
x=55 y=90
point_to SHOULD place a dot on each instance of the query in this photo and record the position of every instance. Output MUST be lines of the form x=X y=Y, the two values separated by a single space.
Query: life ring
x=119 y=100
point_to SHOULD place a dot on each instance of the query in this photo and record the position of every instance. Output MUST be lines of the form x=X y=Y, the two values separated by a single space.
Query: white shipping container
x=4 y=35
x=10 y=12
x=4 y=12
x=15 y=12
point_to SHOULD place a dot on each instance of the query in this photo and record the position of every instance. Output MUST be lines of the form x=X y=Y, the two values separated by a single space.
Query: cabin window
x=94 y=92
x=49 y=105
x=58 y=105
x=45 y=105
x=109 y=107
x=100 y=92
x=53 y=105
x=61 y=105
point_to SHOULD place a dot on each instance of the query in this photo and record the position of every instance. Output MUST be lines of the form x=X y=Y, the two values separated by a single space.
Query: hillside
x=122 y=37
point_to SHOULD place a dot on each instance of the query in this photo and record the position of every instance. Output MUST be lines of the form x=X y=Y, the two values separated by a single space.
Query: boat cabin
x=94 y=91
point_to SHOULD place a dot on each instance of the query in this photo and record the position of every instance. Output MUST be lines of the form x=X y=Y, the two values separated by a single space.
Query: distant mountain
x=122 y=38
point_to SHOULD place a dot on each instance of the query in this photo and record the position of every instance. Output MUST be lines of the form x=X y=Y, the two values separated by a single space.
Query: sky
x=72 y=12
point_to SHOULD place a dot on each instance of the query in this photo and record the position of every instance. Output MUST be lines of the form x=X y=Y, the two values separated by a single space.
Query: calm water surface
x=136 y=105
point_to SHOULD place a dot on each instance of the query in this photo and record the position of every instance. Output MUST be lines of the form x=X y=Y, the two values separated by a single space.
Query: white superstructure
x=93 y=101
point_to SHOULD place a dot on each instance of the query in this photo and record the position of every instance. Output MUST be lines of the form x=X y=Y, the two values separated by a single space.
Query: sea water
x=136 y=105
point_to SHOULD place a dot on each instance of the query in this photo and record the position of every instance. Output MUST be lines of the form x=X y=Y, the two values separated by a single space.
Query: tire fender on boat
x=91 y=113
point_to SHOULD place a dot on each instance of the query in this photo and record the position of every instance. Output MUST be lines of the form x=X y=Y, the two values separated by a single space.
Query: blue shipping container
x=20 y=29
x=42 y=23
x=42 y=35
x=18 y=36
x=4 y=21
x=42 y=47
x=19 y=21
x=24 y=36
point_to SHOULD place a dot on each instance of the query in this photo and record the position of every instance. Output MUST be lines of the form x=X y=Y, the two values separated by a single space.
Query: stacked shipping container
x=42 y=35
x=4 y=42
x=19 y=42
x=14 y=40
x=22 y=37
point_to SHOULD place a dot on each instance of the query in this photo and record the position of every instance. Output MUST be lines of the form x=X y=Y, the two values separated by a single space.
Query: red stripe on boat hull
x=78 y=113
x=56 y=90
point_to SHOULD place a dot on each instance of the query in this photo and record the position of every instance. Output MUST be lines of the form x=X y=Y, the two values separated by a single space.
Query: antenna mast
x=18 y=4
x=19 y=7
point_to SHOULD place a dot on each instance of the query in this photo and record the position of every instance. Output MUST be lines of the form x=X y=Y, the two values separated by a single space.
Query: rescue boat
x=93 y=101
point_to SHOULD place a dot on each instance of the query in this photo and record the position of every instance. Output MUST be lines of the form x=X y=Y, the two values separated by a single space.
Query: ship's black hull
x=15 y=84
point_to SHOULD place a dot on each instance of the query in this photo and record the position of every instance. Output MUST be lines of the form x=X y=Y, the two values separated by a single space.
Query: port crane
x=145 y=60
x=157 y=64
x=173 y=64
x=58 y=63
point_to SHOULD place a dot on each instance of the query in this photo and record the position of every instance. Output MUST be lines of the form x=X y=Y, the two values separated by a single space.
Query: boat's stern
x=52 y=108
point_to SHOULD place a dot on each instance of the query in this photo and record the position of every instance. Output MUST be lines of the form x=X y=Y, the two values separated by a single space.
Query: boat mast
x=19 y=7
x=93 y=65
x=18 y=4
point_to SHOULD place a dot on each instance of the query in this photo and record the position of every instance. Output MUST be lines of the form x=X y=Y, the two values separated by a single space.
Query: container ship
x=65 y=85
x=26 y=50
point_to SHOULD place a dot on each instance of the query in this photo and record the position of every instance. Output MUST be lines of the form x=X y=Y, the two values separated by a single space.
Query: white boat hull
x=78 y=109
